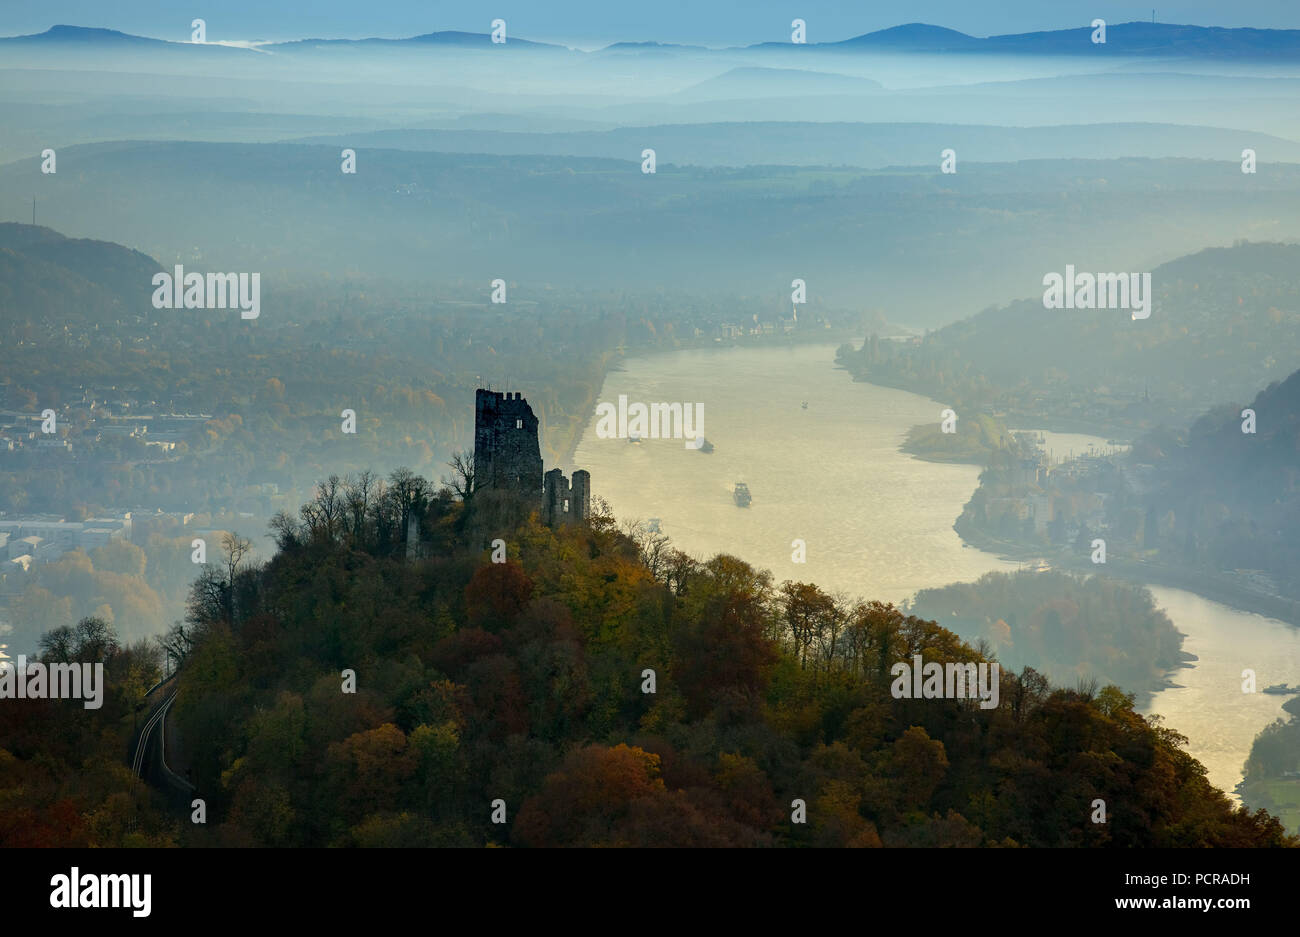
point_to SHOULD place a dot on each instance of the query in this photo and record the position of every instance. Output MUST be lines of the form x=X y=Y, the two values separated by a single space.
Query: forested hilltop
x=1073 y=628
x=524 y=682
x=1223 y=323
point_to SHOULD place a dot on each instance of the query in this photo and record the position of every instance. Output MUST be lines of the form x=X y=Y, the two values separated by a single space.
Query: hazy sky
x=713 y=22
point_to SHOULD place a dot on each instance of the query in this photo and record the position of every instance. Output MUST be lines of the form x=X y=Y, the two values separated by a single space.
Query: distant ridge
x=1134 y=39
x=91 y=38
x=824 y=143
x=649 y=45
x=63 y=34
x=1130 y=39
x=109 y=38
x=444 y=38
x=79 y=279
x=918 y=37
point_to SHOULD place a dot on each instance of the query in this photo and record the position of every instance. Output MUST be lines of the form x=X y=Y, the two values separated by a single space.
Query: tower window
x=519 y=424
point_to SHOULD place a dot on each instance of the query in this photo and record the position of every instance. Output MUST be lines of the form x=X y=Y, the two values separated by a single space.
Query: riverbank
x=924 y=444
x=1207 y=585
x=1050 y=421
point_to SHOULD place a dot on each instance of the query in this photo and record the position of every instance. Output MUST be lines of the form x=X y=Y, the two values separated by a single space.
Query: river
x=874 y=521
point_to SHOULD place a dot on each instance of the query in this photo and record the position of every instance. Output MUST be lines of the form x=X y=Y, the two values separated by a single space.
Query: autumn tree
x=583 y=803
x=919 y=764
x=496 y=594
x=812 y=616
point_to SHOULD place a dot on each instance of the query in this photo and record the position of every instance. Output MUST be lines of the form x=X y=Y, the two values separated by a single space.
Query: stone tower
x=580 y=496
x=563 y=503
x=506 y=451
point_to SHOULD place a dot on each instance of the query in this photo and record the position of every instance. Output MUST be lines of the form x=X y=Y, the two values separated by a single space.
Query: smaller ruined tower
x=555 y=498
x=580 y=496
x=563 y=503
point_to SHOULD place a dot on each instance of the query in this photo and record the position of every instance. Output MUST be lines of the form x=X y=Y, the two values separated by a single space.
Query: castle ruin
x=563 y=503
x=507 y=456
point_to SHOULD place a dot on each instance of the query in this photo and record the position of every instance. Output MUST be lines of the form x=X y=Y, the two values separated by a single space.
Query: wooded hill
x=523 y=682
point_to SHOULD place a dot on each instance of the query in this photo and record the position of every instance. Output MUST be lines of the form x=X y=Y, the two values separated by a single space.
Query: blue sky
x=591 y=21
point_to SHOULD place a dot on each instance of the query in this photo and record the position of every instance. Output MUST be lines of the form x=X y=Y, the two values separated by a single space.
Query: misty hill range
x=894 y=97
x=1122 y=39
x=1226 y=315
x=867 y=238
